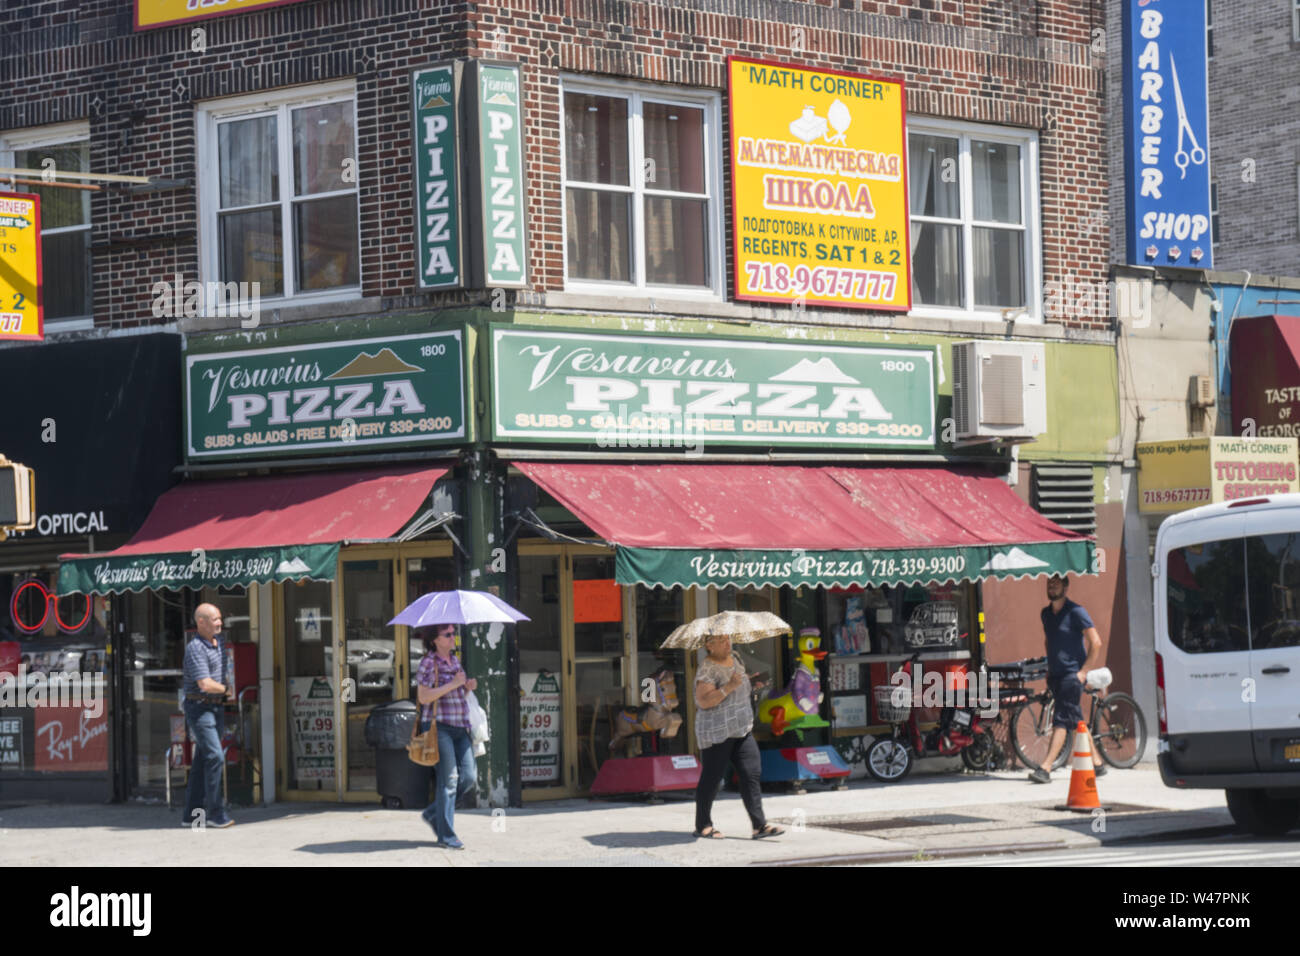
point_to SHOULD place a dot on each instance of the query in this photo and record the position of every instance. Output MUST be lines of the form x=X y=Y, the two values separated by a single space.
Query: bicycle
x=1116 y=724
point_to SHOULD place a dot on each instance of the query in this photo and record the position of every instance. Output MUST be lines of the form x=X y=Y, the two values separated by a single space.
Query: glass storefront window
x=309 y=686
x=658 y=613
x=54 y=648
x=541 y=659
x=370 y=648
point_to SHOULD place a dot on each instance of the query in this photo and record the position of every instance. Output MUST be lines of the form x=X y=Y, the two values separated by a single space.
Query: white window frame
x=59 y=134
x=635 y=93
x=279 y=102
x=1027 y=140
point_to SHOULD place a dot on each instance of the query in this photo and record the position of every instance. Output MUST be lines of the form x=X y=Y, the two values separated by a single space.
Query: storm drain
x=899 y=823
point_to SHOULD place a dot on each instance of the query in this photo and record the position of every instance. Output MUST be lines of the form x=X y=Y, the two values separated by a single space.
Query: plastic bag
x=478 y=724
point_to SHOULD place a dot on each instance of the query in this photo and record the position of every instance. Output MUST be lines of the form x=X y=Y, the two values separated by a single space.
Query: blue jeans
x=204 y=788
x=456 y=777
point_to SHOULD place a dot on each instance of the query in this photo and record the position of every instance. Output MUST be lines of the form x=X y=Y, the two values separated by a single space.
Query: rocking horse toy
x=658 y=715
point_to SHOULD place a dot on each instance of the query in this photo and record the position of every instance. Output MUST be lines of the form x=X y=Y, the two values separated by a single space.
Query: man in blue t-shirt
x=207 y=687
x=1073 y=649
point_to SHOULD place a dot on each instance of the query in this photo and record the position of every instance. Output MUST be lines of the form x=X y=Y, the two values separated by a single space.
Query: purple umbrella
x=457 y=607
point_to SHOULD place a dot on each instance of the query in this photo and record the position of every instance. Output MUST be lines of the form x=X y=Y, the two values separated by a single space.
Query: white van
x=1227 y=640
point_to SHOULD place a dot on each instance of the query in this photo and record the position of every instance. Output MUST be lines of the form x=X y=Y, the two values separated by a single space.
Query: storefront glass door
x=598 y=658
x=333 y=677
x=369 y=656
x=541 y=674
x=310 y=689
x=574 y=665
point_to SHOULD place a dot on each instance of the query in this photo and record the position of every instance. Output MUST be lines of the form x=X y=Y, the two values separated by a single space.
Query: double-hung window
x=66 y=287
x=974 y=220
x=642 y=200
x=279 y=192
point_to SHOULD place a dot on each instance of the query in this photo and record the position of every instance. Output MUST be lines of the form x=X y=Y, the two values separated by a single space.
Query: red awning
x=321 y=508
x=759 y=525
x=704 y=506
x=246 y=530
x=942 y=507
x=788 y=506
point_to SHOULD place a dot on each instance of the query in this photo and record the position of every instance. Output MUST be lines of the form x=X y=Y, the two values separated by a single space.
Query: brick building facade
x=278 y=146
x=1023 y=65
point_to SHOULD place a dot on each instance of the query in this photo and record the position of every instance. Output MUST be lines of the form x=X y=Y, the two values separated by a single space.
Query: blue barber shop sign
x=1167 y=134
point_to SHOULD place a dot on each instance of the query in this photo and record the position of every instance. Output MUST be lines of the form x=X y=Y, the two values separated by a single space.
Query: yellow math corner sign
x=21 y=316
x=164 y=13
x=819 y=186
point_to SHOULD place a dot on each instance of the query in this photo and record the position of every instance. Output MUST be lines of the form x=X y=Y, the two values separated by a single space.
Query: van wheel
x=1262 y=815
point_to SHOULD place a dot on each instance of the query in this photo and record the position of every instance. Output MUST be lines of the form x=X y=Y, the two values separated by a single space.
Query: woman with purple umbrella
x=442 y=686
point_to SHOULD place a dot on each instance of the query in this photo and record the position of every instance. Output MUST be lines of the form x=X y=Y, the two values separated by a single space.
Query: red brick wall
x=1015 y=62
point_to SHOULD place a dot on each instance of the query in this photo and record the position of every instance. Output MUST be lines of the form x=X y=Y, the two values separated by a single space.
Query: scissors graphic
x=1182 y=157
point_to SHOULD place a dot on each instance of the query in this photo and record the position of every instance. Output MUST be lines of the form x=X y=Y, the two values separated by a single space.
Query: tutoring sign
x=636 y=391
x=1167 y=134
x=1181 y=474
x=819 y=186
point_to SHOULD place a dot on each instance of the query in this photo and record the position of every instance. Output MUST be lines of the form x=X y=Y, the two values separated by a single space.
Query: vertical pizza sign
x=21 y=315
x=819 y=187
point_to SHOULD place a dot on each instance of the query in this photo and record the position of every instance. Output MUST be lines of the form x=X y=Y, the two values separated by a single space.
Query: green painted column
x=487 y=645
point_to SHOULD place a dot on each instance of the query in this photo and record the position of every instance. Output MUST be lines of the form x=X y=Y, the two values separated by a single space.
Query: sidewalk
x=934 y=814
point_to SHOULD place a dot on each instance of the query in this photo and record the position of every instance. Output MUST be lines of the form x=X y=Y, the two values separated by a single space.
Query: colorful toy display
x=658 y=715
x=796 y=706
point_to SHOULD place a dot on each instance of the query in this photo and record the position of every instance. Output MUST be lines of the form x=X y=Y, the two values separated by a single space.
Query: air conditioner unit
x=1202 y=391
x=999 y=389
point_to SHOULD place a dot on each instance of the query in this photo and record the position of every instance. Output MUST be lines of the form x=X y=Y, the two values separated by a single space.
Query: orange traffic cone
x=1083 y=779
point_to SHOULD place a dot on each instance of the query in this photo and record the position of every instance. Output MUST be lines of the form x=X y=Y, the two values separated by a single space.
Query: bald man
x=207 y=688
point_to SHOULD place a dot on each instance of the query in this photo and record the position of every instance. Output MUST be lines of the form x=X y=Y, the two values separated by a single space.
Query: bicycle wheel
x=1031 y=734
x=1120 y=734
x=982 y=754
x=888 y=760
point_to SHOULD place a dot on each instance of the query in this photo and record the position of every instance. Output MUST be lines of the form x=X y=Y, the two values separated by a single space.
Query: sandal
x=712 y=833
x=768 y=831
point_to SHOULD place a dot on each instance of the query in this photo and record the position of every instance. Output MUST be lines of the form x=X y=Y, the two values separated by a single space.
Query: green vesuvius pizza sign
x=636 y=391
x=435 y=131
x=499 y=253
x=300 y=399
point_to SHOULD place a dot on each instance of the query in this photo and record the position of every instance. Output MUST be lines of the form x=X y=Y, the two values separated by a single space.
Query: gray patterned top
x=734 y=717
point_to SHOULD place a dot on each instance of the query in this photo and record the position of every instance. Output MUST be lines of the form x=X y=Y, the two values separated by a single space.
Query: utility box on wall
x=999 y=390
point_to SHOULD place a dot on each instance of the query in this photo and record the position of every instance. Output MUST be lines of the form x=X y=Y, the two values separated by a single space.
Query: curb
x=895 y=856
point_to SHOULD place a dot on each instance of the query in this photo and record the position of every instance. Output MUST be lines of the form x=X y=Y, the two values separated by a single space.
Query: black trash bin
x=400 y=782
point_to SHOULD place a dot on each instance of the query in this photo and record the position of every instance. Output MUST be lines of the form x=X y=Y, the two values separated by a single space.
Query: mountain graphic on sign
x=296 y=566
x=365 y=365
x=822 y=370
x=501 y=99
x=1013 y=560
x=436 y=100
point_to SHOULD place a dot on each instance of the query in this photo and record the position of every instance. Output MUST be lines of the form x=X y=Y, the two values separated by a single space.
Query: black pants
x=742 y=752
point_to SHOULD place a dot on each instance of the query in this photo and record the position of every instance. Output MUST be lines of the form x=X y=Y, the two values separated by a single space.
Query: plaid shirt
x=452 y=708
